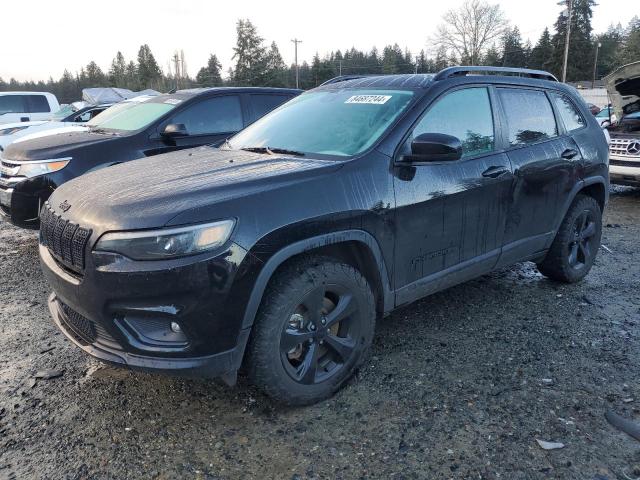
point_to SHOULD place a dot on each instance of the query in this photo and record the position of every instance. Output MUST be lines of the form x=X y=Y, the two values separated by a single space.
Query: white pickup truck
x=623 y=87
x=27 y=106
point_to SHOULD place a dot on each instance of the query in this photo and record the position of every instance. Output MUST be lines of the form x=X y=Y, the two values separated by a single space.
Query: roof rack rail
x=344 y=78
x=520 y=72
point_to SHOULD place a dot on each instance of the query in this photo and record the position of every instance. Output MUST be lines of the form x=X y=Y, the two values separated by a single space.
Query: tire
x=299 y=357
x=576 y=245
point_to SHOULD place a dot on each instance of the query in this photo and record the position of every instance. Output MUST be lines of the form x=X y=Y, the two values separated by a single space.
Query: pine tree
x=249 y=54
x=95 y=77
x=209 y=76
x=513 y=53
x=118 y=71
x=630 y=51
x=274 y=75
x=149 y=73
x=540 y=57
x=580 y=60
x=493 y=57
x=132 y=81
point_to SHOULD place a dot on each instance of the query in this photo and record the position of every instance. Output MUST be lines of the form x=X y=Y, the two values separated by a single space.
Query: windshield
x=65 y=111
x=331 y=122
x=603 y=113
x=130 y=116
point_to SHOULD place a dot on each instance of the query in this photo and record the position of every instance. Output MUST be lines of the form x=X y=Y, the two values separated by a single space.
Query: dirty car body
x=410 y=225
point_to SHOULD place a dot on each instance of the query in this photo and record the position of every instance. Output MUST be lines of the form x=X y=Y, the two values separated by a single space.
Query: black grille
x=85 y=331
x=64 y=239
x=81 y=328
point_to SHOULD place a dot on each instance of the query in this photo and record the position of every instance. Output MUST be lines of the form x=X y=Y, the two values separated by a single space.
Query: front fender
x=306 y=245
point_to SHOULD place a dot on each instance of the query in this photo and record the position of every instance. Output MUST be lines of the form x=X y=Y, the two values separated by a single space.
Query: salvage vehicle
x=95 y=101
x=32 y=168
x=76 y=112
x=623 y=87
x=606 y=117
x=281 y=249
x=26 y=106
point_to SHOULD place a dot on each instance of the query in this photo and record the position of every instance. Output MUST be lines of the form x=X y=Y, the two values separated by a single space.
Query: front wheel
x=576 y=245
x=313 y=330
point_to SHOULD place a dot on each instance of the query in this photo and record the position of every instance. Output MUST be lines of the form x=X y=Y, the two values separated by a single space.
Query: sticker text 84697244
x=369 y=99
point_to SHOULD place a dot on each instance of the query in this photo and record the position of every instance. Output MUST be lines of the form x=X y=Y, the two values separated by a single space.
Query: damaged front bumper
x=105 y=348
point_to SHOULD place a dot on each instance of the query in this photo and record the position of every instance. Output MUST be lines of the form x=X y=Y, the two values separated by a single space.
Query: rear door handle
x=496 y=171
x=569 y=153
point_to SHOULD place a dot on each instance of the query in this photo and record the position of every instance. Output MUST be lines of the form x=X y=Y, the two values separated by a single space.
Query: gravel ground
x=460 y=385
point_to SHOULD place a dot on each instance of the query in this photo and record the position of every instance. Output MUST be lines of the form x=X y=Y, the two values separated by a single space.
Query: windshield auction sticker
x=369 y=99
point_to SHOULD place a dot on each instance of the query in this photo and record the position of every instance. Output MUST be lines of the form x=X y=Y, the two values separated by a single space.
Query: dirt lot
x=460 y=385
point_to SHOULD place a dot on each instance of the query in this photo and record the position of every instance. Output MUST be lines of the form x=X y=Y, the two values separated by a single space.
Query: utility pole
x=296 y=42
x=176 y=62
x=340 y=74
x=595 y=65
x=569 y=4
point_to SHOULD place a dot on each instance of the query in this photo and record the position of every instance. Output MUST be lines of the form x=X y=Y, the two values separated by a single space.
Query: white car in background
x=76 y=112
x=27 y=106
x=623 y=87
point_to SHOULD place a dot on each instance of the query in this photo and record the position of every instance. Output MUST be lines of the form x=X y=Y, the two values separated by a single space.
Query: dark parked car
x=32 y=169
x=283 y=247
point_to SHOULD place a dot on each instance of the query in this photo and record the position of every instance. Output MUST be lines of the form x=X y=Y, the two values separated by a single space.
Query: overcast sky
x=43 y=37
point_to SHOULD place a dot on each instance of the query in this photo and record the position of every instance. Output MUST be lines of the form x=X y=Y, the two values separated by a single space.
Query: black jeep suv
x=282 y=248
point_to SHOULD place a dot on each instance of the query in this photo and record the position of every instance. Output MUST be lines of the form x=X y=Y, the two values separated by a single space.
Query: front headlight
x=12 y=130
x=167 y=243
x=40 y=167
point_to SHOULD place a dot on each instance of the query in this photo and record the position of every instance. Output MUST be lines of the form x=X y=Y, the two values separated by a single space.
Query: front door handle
x=496 y=171
x=569 y=153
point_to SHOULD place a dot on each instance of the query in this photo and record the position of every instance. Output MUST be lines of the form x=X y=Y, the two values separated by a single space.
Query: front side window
x=330 y=122
x=131 y=116
x=528 y=114
x=11 y=104
x=570 y=115
x=465 y=114
x=213 y=115
x=38 y=104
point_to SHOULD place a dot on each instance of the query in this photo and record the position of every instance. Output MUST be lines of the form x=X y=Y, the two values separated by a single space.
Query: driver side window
x=464 y=114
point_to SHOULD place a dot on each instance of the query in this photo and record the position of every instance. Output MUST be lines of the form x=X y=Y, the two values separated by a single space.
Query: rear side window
x=37 y=104
x=213 y=115
x=570 y=115
x=12 y=104
x=262 y=104
x=465 y=114
x=529 y=116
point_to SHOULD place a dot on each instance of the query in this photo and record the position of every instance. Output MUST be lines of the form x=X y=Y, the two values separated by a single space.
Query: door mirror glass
x=174 y=130
x=435 y=147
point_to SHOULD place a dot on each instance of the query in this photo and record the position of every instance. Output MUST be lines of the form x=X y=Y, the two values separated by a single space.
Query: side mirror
x=435 y=147
x=174 y=130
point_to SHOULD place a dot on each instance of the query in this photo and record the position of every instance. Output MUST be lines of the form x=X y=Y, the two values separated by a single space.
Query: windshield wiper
x=273 y=150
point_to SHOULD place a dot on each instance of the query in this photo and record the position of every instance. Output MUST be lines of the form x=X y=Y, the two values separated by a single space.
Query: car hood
x=22 y=124
x=52 y=145
x=50 y=128
x=150 y=192
x=623 y=87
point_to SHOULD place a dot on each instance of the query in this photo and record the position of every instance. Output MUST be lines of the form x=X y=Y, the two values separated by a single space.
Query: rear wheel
x=312 y=331
x=576 y=245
